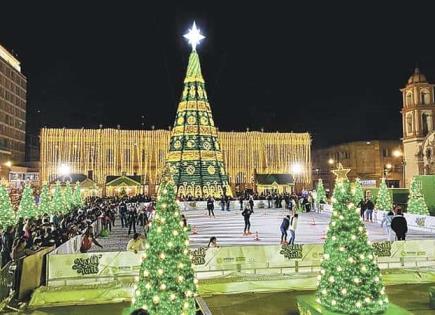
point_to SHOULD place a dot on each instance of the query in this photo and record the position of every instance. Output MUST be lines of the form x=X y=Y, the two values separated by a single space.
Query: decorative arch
x=409 y=99
x=425 y=97
x=427 y=150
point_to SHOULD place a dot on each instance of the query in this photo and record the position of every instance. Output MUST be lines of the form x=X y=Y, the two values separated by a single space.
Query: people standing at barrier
x=136 y=243
x=399 y=225
x=210 y=206
x=293 y=226
x=213 y=242
x=247 y=216
x=386 y=221
x=87 y=241
x=284 y=227
x=20 y=249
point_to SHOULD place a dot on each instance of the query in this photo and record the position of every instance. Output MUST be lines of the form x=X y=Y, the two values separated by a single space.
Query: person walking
x=293 y=226
x=132 y=217
x=247 y=216
x=222 y=201
x=284 y=227
x=227 y=202
x=399 y=225
x=369 y=205
x=241 y=201
x=210 y=206
x=362 y=208
x=269 y=200
x=251 y=203
x=388 y=217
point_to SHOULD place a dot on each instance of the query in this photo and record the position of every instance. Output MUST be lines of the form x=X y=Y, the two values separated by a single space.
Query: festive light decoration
x=68 y=196
x=77 y=196
x=416 y=203
x=27 y=207
x=44 y=201
x=350 y=278
x=58 y=201
x=340 y=172
x=320 y=192
x=194 y=36
x=7 y=214
x=166 y=278
x=383 y=200
x=357 y=192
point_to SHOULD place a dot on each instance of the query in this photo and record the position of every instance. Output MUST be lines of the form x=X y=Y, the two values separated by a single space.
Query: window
x=409 y=99
x=425 y=97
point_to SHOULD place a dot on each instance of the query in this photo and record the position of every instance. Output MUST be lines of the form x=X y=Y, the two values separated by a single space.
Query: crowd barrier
x=92 y=268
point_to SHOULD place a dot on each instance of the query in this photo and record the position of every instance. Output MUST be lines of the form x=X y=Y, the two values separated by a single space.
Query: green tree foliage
x=7 y=213
x=44 y=201
x=27 y=207
x=416 y=203
x=383 y=200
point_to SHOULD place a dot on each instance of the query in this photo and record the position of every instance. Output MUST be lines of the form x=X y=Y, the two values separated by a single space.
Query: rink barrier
x=93 y=268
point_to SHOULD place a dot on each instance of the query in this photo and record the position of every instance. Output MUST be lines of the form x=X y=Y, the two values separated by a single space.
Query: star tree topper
x=194 y=36
x=340 y=172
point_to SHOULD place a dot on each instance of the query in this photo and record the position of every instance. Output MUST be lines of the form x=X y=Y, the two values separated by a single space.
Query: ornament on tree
x=44 y=201
x=416 y=203
x=7 y=213
x=383 y=200
x=27 y=207
x=349 y=280
x=167 y=284
x=57 y=201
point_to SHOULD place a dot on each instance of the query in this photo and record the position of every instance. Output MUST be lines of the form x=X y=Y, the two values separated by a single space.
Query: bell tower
x=418 y=113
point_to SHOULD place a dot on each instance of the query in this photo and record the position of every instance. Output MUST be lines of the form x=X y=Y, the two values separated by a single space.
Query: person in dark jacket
x=132 y=217
x=362 y=207
x=369 y=206
x=7 y=244
x=399 y=225
x=210 y=206
x=284 y=227
x=247 y=216
x=123 y=214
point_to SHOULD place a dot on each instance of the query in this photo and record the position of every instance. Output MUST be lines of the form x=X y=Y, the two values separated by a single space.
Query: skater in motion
x=247 y=216
x=284 y=227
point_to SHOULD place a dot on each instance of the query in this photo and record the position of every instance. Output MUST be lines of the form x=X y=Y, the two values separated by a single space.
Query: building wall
x=13 y=86
x=142 y=152
x=367 y=161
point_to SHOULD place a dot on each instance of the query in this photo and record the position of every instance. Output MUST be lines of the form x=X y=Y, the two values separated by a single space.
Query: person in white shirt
x=293 y=226
x=136 y=244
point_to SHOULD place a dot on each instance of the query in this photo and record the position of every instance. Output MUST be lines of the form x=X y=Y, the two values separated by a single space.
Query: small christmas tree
x=166 y=280
x=416 y=203
x=68 y=197
x=57 y=202
x=383 y=200
x=44 y=201
x=320 y=192
x=7 y=214
x=349 y=280
x=27 y=207
x=77 y=196
x=357 y=192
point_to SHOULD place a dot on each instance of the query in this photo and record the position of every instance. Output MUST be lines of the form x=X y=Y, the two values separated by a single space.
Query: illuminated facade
x=99 y=153
x=13 y=87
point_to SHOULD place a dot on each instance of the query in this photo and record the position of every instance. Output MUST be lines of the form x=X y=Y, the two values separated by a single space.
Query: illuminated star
x=340 y=172
x=194 y=36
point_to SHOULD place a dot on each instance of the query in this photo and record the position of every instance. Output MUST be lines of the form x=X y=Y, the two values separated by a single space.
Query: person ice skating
x=251 y=203
x=210 y=206
x=293 y=225
x=284 y=227
x=136 y=244
x=399 y=225
x=213 y=242
x=247 y=215
x=388 y=217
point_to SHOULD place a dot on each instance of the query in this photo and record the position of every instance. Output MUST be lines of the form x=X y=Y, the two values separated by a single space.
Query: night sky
x=331 y=70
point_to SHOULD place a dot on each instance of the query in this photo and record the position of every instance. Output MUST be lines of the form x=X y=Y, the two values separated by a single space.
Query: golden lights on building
x=99 y=153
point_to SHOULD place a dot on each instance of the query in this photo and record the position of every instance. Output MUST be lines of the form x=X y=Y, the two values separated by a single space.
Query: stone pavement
x=228 y=229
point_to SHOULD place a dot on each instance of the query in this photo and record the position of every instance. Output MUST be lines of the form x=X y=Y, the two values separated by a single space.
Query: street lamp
x=331 y=161
x=8 y=164
x=64 y=170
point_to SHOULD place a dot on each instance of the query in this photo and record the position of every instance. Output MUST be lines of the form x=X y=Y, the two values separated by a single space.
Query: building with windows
x=368 y=160
x=102 y=153
x=13 y=86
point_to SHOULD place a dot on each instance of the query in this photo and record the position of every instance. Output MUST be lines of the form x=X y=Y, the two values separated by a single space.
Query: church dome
x=417 y=77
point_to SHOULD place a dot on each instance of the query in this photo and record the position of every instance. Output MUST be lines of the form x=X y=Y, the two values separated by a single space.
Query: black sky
x=333 y=70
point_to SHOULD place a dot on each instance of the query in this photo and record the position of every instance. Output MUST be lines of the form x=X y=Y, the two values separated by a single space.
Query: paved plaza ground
x=228 y=228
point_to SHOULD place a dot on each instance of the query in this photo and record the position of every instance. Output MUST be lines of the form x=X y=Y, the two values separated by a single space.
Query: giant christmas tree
x=166 y=279
x=416 y=203
x=7 y=214
x=195 y=154
x=349 y=280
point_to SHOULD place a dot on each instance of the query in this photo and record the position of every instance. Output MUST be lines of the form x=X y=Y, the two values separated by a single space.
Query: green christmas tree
x=416 y=203
x=166 y=280
x=58 y=202
x=27 y=207
x=320 y=192
x=383 y=200
x=44 y=201
x=357 y=192
x=194 y=150
x=7 y=214
x=77 y=196
x=349 y=279
x=68 y=196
